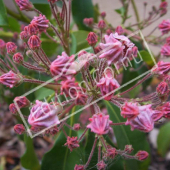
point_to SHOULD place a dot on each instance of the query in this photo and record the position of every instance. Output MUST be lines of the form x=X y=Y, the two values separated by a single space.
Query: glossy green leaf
x=120 y=11
x=125 y=136
x=81 y=42
x=3 y=14
x=73 y=44
x=13 y=24
x=45 y=9
x=147 y=58
x=163 y=140
x=29 y=159
x=82 y=9
x=42 y=93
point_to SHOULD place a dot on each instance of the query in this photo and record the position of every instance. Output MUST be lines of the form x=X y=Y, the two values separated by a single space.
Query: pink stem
x=81 y=137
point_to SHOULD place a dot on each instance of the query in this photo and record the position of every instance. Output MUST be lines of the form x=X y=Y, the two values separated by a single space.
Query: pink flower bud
x=2 y=44
x=161 y=68
x=156 y=115
x=81 y=98
x=19 y=129
x=24 y=5
x=13 y=109
x=103 y=14
x=128 y=149
x=165 y=50
x=168 y=41
x=83 y=59
x=100 y=124
x=41 y=22
x=11 y=48
x=33 y=29
x=69 y=87
x=63 y=67
x=101 y=165
x=10 y=79
x=34 y=42
x=72 y=143
x=163 y=5
x=22 y=101
x=92 y=39
x=88 y=22
x=164 y=26
x=76 y=127
x=35 y=129
x=130 y=110
x=109 y=31
x=162 y=88
x=79 y=167
x=142 y=155
x=119 y=30
x=52 y=131
x=18 y=58
x=165 y=108
x=101 y=24
x=97 y=49
x=135 y=51
x=44 y=115
x=144 y=121
x=108 y=84
x=111 y=152
x=24 y=36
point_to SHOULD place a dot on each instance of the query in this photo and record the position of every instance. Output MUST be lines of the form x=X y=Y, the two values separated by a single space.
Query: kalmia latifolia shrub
x=111 y=49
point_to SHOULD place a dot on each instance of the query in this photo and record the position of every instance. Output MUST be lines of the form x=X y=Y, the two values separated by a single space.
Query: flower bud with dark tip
x=13 y=109
x=162 y=88
x=33 y=29
x=11 y=48
x=22 y=101
x=92 y=39
x=25 y=5
x=34 y=42
x=119 y=30
x=103 y=14
x=101 y=25
x=24 y=36
x=19 y=129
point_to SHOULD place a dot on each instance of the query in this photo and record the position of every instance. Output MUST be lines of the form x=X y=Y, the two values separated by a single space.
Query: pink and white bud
x=165 y=108
x=165 y=50
x=144 y=121
x=24 y=36
x=10 y=79
x=41 y=22
x=128 y=149
x=101 y=165
x=164 y=26
x=130 y=110
x=63 y=67
x=25 y=5
x=81 y=98
x=34 y=42
x=156 y=115
x=108 y=84
x=69 y=87
x=72 y=143
x=44 y=115
x=18 y=58
x=22 y=101
x=102 y=25
x=76 y=127
x=32 y=29
x=79 y=167
x=52 y=131
x=92 y=39
x=111 y=152
x=142 y=155
x=13 y=109
x=19 y=129
x=162 y=68
x=100 y=124
x=88 y=22
x=119 y=30
x=162 y=88
x=11 y=48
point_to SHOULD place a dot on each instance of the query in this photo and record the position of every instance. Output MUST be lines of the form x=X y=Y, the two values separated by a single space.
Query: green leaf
x=82 y=9
x=29 y=159
x=13 y=24
x=44 y=8
x=42 y=93
x=39 y=1
x=120 y=11
x=125 y=136
x=73 y=44
x=163 y=140
x=3 y=14
x=81 y=41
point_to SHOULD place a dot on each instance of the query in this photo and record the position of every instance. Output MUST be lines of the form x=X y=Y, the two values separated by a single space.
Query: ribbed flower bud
x=34 y=42
x=92 y=39
x=18 y=58
x=11 y=48
x=19 y=129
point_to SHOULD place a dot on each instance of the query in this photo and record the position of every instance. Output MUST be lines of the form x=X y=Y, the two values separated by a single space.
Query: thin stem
x=6 y=65
x=91 y=154
x=64 y=5
x=69 y=17
x=37 y=11
x=50 y=37
x=45 y=64
x=117 y=124
x=152 y=31
x=99 y=153
x=64 y=132
x=66 y=110
x=31 y=67
x=136 y=12
x=45 y=56
x=9 y=59
x=141 y=81
x=68 y=126
x=81 y=137
x=103 y=142
x=116 y=103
